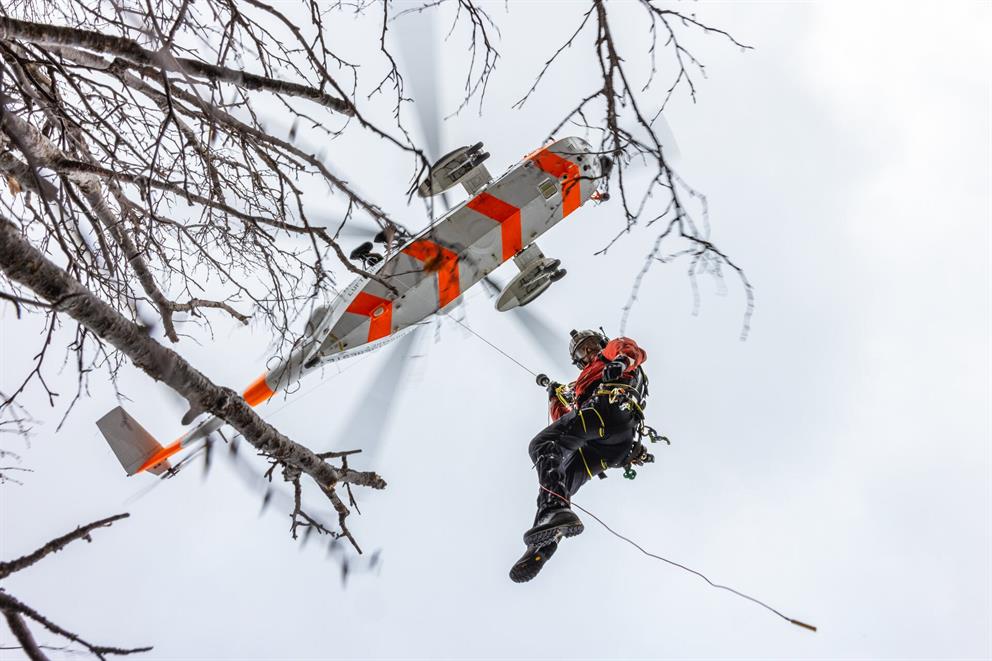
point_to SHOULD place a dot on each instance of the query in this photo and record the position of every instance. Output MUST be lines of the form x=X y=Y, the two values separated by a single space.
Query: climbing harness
x=560 y=394
x=629 y=398
x=648 y=432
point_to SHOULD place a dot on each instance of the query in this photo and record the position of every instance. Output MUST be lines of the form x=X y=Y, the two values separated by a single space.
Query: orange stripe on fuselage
x=440 y=260
x=567 y=174
x=378 y=310
x=258 y=392
x=508 y=217
x=160 y=456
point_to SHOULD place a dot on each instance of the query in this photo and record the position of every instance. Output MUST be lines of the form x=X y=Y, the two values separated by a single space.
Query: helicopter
x=416 y=276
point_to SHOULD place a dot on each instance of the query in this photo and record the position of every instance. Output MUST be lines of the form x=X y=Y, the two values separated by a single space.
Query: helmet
x=585 y=343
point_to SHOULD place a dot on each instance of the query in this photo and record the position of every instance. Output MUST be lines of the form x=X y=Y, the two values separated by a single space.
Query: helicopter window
x=548 y=188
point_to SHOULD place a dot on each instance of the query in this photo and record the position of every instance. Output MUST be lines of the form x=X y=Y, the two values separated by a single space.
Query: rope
x=681 y=566
x=627 y=539
x=522 y=366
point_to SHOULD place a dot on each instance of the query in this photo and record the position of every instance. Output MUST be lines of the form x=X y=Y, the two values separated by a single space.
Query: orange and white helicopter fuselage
x=426 y=273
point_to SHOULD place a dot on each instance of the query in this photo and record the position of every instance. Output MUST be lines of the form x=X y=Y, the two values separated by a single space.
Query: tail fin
x=134 y=446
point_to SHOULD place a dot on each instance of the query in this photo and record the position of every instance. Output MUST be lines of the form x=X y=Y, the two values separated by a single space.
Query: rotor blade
x=369 y=418
x=416 y=38
x=549 y=342
x=358 y=225
x=353 y=229
x=492 y=288
x=147 y=489
x=276 y=492
x=445 y=203
x=167 y=475
x=665 y=136
x=416 y=35
x=306 y=141
x=670 y=147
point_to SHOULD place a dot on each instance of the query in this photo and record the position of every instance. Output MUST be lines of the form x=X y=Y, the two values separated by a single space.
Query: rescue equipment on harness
x=614 y=369
x=532 y=561
x=627 y=397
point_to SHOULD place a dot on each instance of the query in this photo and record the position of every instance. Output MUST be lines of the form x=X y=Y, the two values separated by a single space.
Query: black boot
x=552 y=523
x=531 y=562
x=554 y=516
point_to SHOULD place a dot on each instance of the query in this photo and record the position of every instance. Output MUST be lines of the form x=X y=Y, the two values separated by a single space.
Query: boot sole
x=524 y=574
x=522 y=571
x=541 y=537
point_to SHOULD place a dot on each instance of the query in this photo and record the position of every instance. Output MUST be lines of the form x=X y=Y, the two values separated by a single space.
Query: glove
x=614 y=370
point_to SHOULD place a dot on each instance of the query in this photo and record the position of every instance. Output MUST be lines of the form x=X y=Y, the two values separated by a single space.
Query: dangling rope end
x=570 y=503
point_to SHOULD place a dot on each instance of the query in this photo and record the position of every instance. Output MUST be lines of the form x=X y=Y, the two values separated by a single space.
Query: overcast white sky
x=836 y=464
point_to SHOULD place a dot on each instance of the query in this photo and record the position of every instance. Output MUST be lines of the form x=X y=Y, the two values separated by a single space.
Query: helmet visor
x=585 y=351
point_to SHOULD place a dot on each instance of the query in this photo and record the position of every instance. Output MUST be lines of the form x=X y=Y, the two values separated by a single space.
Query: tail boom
x=136 y=449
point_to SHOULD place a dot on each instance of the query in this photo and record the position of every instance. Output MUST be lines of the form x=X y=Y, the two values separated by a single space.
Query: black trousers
x=578 y=445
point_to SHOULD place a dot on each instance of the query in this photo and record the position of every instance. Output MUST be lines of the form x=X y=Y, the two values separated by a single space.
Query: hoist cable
x=532 y=373
x=640 y=548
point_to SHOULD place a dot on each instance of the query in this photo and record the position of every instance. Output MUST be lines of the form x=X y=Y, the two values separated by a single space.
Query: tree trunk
x=25 y=264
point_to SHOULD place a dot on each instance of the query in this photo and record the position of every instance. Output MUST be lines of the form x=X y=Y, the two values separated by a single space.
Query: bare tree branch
x=11 y=606
x=15 y=611
x=628 y=136
x=23 y=635
x=133 y=54
x=56 y=545
x=23 y=263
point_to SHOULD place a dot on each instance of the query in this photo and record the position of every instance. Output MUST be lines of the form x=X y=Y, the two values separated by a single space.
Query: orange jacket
x=593 y=372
